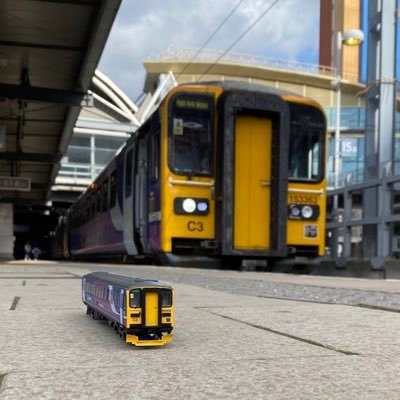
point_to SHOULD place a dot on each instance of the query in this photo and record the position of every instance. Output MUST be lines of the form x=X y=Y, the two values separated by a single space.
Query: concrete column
x=6 y=230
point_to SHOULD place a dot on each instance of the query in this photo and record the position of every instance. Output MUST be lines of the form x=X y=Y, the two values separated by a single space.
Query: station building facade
x=105 y=122
x=316 y=82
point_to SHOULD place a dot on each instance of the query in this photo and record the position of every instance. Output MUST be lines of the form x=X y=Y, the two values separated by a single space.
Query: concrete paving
x=224 y=345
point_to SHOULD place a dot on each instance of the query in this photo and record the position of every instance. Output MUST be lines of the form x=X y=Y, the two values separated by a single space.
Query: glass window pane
x=134 y=298
x=191 y=135
x=78 y=155
x=307 y=142
x=109 y=143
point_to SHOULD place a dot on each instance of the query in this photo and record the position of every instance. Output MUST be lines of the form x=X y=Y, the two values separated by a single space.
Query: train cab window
x=191 y=134
x=307 y=143
x=128 y=173
x=166 y=298
x=134 y=298
x=113 y=189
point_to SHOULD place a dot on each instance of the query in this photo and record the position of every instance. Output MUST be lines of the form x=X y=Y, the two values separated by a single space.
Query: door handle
x=265 y=183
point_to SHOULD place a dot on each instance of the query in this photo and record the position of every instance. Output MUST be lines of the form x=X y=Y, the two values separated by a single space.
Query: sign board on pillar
x=15 y=184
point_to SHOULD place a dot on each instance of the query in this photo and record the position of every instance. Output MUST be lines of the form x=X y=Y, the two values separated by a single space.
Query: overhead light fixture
x=352 y=37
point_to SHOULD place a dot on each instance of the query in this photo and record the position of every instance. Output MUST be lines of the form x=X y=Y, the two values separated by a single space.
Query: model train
x=141 y=311
x=220 y=171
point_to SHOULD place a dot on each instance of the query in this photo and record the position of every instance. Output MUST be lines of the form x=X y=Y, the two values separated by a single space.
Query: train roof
x=127 y=282
x=245 y=86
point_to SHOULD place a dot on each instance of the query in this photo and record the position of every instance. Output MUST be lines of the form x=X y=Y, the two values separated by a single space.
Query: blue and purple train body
x=141 y=311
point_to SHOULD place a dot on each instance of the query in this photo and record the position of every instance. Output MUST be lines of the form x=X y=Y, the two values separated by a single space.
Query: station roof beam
x=49 y=51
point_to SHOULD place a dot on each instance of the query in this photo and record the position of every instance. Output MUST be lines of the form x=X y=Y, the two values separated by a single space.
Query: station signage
x=15 y=184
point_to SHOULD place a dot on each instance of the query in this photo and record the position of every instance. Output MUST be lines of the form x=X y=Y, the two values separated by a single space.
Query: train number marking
x=195 y=226
x=302 y=199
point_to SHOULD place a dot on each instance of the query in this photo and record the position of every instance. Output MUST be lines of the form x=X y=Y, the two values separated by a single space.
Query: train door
x=152 y=310
x=252 y=180
x=128 y=196
x=252 y=183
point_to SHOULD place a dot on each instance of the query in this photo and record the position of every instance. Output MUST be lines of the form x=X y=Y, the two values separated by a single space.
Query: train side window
x=113 y=189
x=93 y=212
x=155 y=156
x=128 y=173
x=98 y=202
x=105 y=195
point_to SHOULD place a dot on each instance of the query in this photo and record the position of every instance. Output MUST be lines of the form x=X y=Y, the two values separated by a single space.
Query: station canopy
x=49 y=50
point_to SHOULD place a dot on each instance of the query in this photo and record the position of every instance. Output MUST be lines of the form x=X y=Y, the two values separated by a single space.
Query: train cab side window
x=191 y=134
x=134 y=298
x=113 y=189
x=128 y=173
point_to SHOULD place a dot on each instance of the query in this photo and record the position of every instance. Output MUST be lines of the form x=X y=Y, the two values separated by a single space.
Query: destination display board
x=15 y=184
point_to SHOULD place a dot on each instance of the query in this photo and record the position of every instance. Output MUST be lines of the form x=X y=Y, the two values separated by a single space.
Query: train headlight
x=202 y=206
x=303 y=211
x=307 y=212
x=188 y=205
x=295 y=211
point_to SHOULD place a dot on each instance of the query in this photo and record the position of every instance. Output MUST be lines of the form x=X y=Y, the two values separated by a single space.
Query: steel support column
x=380 y=116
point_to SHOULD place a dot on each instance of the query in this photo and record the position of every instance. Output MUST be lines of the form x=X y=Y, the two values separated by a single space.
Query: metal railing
x=342 y=222
x=208 y=55
x=78 y=174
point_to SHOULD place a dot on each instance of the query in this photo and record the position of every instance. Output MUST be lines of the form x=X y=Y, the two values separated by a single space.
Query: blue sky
x=290 y=31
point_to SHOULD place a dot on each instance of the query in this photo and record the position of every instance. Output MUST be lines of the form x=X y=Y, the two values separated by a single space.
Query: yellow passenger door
x=151 y=309
x=252 y=183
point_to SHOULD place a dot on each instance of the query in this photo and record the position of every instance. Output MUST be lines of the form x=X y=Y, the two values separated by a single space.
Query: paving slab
x=224 y=346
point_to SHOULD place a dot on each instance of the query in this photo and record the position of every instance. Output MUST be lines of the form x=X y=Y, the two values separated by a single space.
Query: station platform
x=225 y=345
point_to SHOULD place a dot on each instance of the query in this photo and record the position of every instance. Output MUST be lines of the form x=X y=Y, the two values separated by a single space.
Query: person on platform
x=28 y=250
x=36 y=252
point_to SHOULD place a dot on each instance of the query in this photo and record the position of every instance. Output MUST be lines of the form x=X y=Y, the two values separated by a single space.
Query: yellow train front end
x=242 y=175
x=188 y=174
x=149 y=316
x=307 y=182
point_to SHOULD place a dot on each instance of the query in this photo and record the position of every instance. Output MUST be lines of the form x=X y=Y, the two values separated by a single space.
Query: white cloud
x=145 y=29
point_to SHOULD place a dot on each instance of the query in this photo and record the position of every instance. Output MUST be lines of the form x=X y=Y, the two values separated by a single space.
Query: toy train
x=220 y=171
x=141 y=311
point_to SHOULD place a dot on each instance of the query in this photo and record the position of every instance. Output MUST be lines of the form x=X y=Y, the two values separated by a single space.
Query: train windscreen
x=191 y=135
x=307 y=143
